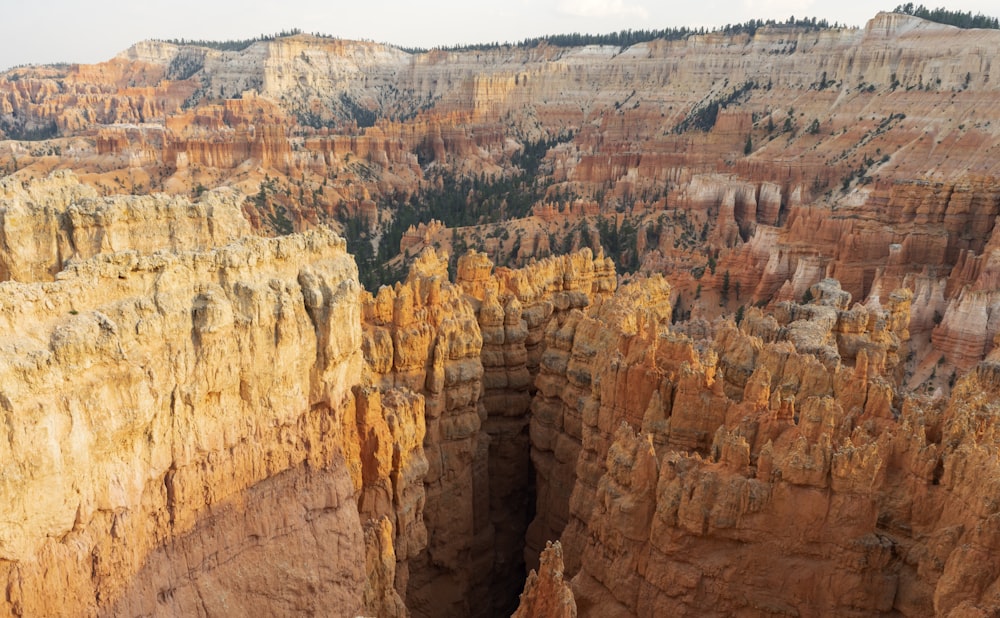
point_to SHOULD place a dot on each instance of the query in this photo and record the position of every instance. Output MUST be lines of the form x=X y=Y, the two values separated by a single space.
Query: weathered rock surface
x=470 y=348
x=423 y=336
x=188 y=431
x=780 y=450
x=200 y=422
x=546 y=593
x=514 y=309
x=237 y=412
x=171 y=417
x=57 y=219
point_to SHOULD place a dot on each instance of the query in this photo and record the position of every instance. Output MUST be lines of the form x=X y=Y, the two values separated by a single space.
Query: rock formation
x=779 y=453
x=54 y=220
x=810 y=167
x=786 y=406
x=174 y=416
x=546 y=593
x=469 y=348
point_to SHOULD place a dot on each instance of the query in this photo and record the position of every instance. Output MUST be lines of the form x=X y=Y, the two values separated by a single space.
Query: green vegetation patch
x=942 y=15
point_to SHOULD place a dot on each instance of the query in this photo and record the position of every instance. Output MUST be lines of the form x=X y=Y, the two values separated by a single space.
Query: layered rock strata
x=238 y=411
x=180 y=473
x=862 y=154
x=189 y=431
x=423 y=336
x=514 y=309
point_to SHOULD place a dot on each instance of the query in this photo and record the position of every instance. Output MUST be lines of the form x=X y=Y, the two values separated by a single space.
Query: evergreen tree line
x=620 y=243
x=12 y=128
x=627 y=38
x=234 y=44
x=623 y=38
x=456 y=201
x=942 y=15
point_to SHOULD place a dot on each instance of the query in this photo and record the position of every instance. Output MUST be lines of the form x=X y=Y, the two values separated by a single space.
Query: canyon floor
x=699 y=325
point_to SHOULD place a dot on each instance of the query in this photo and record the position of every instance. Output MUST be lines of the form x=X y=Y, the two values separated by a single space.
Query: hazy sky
x=43 y=31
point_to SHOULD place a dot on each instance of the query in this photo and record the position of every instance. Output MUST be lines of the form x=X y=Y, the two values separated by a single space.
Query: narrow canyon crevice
x=512 y=500
x=471 y=348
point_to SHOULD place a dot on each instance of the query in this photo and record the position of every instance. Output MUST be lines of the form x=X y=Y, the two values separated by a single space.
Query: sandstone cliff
x=812 y=166
x=470 y=348
x=778 y=452
x=187 y=429
x=202 y=421
x=202 y=431
x=55 y=220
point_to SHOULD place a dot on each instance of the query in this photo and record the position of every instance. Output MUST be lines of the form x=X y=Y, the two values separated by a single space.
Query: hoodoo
x=656 y=323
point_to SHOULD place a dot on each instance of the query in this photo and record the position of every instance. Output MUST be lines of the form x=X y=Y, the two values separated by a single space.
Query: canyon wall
x=862 y=154
x=187 y=431
x=471 y=348
x=775 y=451
x=201 y=421
x=171 y=417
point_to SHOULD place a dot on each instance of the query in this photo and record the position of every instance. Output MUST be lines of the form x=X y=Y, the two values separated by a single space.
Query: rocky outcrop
x=864 y=536
x=423 y=336
x=417 y=237
x=967 y=328
x=58 y=219
x=204 y=430
x=776 y=450
x=546 y=593
x=360 y=418
x=466 y=348
x=575 y=349
x=514 y=309
x=391 y=428
x=214 y=436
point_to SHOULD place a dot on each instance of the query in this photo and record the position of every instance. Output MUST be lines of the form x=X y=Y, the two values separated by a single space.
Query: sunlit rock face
x=779 y=450
x=203 y=420
x=175 y=415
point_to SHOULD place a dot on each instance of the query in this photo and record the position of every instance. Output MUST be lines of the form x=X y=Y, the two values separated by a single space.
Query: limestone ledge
x=47 y=222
